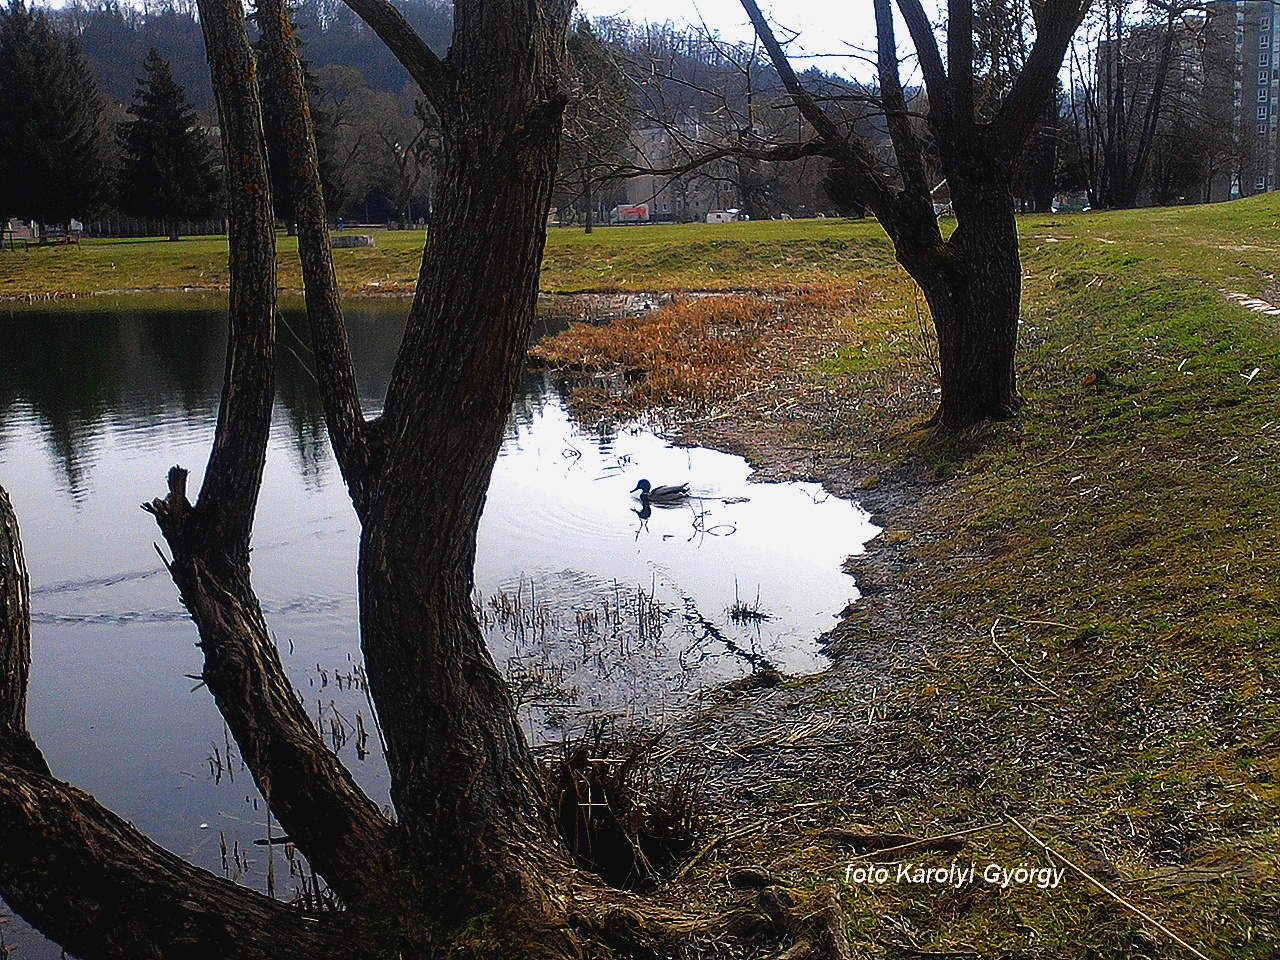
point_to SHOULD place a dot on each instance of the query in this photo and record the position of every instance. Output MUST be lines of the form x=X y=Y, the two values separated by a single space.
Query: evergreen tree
x=168 y=172
x=51 y=166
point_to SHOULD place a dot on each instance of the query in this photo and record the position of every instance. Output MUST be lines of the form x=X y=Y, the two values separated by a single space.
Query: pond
x=590 y=606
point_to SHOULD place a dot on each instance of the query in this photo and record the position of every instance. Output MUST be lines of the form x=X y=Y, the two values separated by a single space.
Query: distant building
x=725 y=216
x=1221 y=89
x=1257 y=59
x=686 y=198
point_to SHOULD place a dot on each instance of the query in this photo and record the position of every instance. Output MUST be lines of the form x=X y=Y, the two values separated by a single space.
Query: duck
x=664 y=496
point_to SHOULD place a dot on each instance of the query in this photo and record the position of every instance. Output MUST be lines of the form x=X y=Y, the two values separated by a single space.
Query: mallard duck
x=662 y=496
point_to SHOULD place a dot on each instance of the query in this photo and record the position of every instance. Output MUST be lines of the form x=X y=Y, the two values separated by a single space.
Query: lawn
x=674 y=257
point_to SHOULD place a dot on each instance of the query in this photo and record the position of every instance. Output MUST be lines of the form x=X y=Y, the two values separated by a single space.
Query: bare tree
x=1133 y=82
x=972 y=280
x=597 y=121
x=471 y=865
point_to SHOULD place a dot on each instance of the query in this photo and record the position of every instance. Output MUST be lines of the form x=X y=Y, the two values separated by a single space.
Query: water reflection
x=589 y=603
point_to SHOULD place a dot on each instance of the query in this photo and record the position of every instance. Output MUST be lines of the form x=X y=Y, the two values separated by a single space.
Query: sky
x=828 y=29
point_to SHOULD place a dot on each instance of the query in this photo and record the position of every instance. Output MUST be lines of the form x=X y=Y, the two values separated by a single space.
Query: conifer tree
x=51 y=165
x=168 y=172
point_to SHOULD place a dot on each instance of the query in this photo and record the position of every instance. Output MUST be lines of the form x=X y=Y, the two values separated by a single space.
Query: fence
x=120 y=226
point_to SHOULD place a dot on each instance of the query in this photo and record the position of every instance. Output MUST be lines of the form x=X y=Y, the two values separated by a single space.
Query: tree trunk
x=973 y=286
x=463 y=780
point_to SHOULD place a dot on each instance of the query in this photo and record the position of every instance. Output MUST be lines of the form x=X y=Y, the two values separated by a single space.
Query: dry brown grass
x=699 y=353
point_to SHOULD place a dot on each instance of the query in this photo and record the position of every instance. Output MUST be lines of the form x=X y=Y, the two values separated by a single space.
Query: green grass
x=768 y=255
x=1124 y=533
x=1231 y=244
x=193 y=264
x=765 y=255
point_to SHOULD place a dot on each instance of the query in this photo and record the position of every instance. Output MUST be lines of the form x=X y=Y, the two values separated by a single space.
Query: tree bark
x=463 y=780
x=349 y=433
x=973 y=285
x=468 y=794
x=16 y=745
x=88 y=880
x=313 y=796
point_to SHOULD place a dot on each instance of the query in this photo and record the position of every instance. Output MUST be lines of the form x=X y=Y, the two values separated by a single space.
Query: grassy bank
x=1076 y=616
x=675 y=257
x=1228 y=241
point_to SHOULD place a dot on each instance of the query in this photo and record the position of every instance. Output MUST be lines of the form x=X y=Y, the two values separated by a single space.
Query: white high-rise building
x=1257 y=90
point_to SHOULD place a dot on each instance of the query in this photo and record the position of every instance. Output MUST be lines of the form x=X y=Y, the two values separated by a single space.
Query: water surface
x=589 y=607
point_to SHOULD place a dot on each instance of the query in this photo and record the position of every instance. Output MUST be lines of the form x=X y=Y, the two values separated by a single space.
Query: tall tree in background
x=168 y=171
x=51 y=166
x=597 y=119
x=972 y=280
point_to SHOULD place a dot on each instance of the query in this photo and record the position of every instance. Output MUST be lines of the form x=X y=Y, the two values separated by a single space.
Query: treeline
x=106 y=114
x=377 y=135
x=647 y=100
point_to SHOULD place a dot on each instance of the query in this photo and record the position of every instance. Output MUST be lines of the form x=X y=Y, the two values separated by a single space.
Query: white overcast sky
x=825 y=27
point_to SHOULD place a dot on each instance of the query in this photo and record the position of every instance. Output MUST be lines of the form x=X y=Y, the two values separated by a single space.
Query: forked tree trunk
x=972 y=280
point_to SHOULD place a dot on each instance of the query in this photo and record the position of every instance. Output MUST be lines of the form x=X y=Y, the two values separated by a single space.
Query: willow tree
x=471 y=864
x=971 y=133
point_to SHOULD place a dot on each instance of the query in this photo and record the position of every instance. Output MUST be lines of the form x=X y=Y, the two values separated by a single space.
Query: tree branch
x=335 y=372
x=803 y=99
x=905 y=142
x=338 y=829
x=921 y=30
x=861 y=165
x=229 y=494
x=1017 y=117
x=960 y=59
x=319 y=805
x=778 y=153
x=86 y=879
x=428 y=71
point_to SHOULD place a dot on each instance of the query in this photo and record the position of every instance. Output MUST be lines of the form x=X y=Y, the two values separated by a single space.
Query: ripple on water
x=605 y=610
